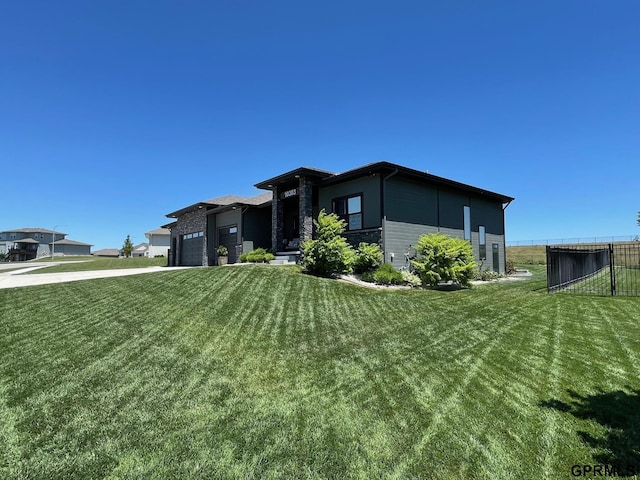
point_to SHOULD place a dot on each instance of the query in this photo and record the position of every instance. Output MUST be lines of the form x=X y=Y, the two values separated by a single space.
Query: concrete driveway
x=13 y=278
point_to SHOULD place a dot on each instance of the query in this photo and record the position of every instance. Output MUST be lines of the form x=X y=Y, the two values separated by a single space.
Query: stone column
x=305 y=192
x=277 y=221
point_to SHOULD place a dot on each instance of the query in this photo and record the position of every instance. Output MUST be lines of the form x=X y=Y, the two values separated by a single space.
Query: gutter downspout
x=384 y=215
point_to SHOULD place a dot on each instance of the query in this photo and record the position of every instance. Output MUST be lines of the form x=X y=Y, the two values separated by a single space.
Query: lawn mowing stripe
x=450 y=404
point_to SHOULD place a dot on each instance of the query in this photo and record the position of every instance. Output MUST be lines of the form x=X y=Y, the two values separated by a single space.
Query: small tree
x=127 y=247
x=444 y=259
x=329 y=253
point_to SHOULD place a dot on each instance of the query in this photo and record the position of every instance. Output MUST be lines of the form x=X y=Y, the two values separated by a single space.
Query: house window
x=350 y=210
x=467 y=222
x=483 y=242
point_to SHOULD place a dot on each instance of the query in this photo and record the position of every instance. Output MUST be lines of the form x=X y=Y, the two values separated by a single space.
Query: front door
x=228 y=236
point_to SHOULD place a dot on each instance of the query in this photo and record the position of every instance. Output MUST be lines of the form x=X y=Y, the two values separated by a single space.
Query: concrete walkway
x=13 y=279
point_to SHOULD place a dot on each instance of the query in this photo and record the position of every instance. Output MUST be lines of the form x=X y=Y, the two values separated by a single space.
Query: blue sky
x=113 y=114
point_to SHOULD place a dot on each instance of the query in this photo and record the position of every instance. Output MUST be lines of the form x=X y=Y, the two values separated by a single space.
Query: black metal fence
x=600 y=269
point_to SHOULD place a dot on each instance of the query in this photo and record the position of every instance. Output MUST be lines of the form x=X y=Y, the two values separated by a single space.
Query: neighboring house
x=381 y=203
x=140 y=250
x=239 y=223
x=159 y=242
x=28 y=243
x=107 y=252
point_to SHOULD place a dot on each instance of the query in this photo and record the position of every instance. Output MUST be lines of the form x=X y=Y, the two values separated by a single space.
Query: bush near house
x=444 y=259
x=259 y=255
x=368 y=257
x=329 y=253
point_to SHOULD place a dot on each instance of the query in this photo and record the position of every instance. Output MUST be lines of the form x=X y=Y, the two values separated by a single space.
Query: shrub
x=368 y=257
x=259 y=255
x=387 y=275
x=368 y=276
x=222 y=251
x=411 y=279
x=444 y=259
x=485 y=275
x=329 y=253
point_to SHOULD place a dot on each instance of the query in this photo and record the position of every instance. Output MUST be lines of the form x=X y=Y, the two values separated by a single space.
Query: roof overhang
x=293 y=176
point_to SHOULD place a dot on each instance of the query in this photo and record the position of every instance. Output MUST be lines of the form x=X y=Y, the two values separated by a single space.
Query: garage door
x=191 y=249
x=228 y=236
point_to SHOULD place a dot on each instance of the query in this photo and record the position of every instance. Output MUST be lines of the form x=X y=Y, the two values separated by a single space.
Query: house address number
x=290 y=193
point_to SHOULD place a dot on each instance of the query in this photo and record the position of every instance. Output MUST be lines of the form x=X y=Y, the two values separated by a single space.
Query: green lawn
x=261 y=372
x=99 y=263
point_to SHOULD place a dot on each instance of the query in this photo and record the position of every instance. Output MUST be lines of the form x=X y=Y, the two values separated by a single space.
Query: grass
x=527 y=255
x=261 y=372
x=627 y=282
x=100 y=263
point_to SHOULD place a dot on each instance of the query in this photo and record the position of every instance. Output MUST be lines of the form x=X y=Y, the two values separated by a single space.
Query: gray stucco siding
x=369 y=187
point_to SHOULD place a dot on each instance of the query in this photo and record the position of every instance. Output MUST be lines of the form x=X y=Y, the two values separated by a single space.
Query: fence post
x=548 y=269
x=612 y=272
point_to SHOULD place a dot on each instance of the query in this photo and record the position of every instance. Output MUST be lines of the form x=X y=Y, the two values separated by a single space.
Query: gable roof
x=107 y=252
x=158 y=231
x=32 y=230
x=66 y=241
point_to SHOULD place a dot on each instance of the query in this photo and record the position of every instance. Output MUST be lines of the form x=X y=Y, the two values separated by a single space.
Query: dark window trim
x=346 y=216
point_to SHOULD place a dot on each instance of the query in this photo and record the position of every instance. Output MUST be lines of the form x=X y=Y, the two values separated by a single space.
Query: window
x=467 y=222
x=233 y=230
x=483 y=242
x=350 y=210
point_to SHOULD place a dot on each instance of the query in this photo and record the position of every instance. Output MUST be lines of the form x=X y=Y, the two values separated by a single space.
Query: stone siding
x=195 y=221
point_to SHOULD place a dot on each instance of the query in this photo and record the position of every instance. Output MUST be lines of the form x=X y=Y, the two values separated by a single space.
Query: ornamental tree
x=329 y=253
x=444 y=259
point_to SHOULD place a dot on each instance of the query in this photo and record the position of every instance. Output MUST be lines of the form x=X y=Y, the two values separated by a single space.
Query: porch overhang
x=293 y=177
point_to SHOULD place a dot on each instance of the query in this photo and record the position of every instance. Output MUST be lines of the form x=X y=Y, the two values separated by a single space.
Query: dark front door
x=496 y=257
x=228 y=236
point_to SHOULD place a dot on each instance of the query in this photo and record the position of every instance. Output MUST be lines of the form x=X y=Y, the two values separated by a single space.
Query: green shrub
x=444 y=259
x=329 y=253
x=222 y=251
x=485 y=275
x=387 y=275
x=368 y=257
x=368 y=276
x=259 y=255
x=411 y=279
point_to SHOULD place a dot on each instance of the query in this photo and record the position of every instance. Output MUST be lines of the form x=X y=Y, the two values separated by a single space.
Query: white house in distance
x=159 y=241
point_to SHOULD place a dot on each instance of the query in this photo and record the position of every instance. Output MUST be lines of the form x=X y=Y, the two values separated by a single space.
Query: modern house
x=159 y=242
x=28 y=243
x=239 y=223
x=381 y=203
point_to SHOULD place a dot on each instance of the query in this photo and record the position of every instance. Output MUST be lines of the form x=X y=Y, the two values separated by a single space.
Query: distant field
x=527 y=255
x=99 y=263
x=537 y=254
